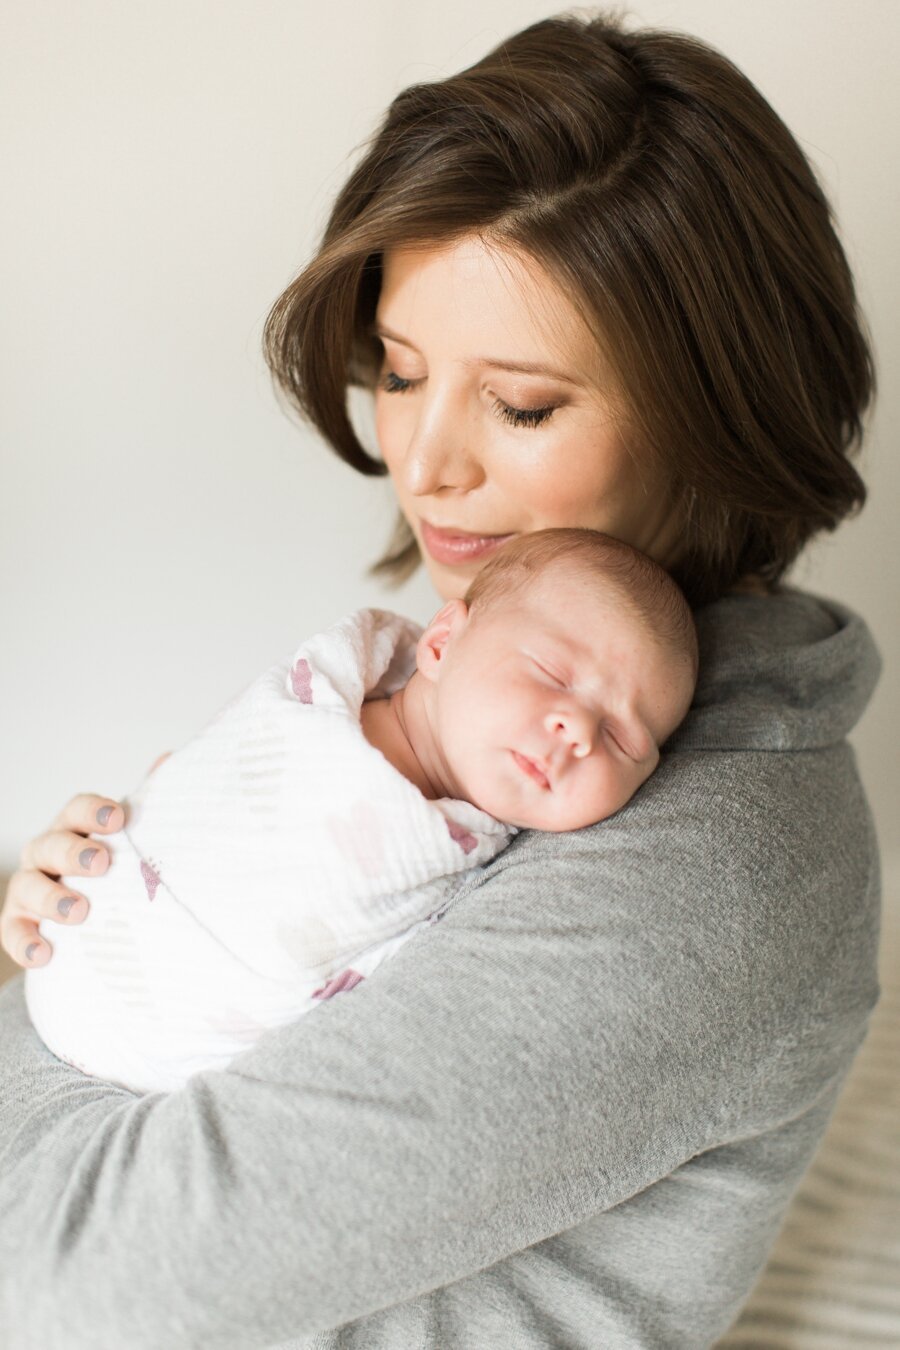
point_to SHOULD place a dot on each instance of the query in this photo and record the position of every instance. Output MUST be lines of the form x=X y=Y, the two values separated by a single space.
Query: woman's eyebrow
x=519 y=367
x=495 y=362
x=379 y=330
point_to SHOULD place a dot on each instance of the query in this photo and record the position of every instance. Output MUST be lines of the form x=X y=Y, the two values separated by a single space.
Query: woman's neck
x=750 y=585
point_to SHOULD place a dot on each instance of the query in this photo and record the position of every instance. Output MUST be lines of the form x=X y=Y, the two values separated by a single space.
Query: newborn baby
x=333 y=809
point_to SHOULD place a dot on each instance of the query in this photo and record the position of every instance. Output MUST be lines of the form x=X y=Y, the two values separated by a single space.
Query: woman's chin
x=451 y=583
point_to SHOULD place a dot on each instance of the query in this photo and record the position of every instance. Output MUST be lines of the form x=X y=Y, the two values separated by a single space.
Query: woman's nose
x=441 y=455
x=576 y=726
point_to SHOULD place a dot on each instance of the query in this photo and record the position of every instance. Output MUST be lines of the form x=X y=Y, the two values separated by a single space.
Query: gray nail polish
x=31 y=949
x=104 y=814
x=65 y=905
x=87 y=856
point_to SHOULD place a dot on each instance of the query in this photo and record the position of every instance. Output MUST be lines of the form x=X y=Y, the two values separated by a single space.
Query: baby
x=333 y=809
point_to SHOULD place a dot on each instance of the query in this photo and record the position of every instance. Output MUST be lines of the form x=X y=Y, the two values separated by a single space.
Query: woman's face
x=494 y=414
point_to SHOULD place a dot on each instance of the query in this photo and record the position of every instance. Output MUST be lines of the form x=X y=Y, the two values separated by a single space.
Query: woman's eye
x=391 y=383
x=395 y=384
x=522 y=417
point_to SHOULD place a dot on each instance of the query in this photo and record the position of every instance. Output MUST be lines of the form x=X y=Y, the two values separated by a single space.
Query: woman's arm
x=592 y=1011
x=395 y=1140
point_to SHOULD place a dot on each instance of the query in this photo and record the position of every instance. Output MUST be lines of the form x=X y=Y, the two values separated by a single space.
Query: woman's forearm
x=385 y=1145
x=457 y=1107
x=541 y=1055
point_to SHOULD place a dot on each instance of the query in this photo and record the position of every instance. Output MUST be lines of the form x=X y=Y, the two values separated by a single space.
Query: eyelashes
x=522 y=417
x=551 y=675
x=392 y=384
x=517 y=417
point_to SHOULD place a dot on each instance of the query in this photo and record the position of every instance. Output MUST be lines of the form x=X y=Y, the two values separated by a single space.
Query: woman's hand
x=35 y=892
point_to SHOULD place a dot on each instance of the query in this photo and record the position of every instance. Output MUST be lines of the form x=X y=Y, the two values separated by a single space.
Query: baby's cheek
x=630 y=781
x=611 y=788
x=489 y=784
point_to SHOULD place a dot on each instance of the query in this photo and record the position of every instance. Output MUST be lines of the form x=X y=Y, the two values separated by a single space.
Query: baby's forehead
x=605 y=632
x=582 y=609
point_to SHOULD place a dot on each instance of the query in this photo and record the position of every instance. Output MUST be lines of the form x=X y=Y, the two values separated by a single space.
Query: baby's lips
x=535 y=768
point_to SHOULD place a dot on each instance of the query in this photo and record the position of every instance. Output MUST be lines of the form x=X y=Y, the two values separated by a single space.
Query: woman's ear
x=432 y=646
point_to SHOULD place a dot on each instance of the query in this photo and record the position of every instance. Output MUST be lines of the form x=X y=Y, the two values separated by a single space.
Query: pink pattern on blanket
x=151 y=879
x=348 y=979
x=359 y=833
x=460 y=835
x=301 y=681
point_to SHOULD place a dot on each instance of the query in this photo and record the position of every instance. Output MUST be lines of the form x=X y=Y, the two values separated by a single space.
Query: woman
x=591 y=281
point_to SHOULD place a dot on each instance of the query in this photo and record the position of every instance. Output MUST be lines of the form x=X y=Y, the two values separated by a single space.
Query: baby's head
x=556 y=680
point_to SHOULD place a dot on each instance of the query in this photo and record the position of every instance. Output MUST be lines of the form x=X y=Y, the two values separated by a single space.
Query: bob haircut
x=655 y=185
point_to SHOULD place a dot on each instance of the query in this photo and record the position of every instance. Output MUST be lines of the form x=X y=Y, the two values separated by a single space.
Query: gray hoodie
x=570 y=1114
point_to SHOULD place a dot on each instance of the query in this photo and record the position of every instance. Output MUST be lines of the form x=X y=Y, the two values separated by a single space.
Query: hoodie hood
x=789 y=671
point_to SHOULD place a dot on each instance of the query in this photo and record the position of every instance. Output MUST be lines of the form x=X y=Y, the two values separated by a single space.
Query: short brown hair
x=655 y=184
x=638 y=583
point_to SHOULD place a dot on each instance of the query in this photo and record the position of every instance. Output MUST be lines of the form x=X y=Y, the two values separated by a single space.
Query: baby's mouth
x=533 y=769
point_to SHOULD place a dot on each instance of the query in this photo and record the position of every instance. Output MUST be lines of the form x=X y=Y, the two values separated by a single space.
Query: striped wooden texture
x=832 y=1281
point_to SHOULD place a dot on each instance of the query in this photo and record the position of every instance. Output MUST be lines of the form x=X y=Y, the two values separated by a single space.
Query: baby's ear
x=443 y=628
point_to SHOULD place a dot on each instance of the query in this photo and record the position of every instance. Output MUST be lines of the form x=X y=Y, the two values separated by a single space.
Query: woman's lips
x=533 y=769
x=457 y=546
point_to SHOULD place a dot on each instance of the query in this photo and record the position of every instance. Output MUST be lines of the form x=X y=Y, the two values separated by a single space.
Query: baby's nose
x=577 y=727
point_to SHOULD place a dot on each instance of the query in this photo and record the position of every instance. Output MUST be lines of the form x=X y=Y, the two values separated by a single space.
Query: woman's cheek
x=383 y=432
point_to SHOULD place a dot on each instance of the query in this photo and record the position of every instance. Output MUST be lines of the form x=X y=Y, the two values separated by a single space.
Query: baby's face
x=551 y=708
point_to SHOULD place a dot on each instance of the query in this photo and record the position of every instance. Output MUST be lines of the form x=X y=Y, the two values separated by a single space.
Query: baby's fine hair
x=637 y=582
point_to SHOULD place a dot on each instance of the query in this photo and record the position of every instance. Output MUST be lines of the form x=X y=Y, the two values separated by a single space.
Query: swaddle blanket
x=274 y=860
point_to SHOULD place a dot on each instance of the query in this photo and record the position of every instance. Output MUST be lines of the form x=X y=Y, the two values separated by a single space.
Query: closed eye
x=617 y=743
x=522 y=417
x=391 y=383
x=395 y=384
x=557 y=679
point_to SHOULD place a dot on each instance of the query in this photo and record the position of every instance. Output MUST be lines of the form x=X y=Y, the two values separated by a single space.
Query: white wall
x=166 y=530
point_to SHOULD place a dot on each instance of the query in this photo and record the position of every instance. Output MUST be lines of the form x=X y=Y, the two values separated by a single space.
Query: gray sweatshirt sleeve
x=593 y=1012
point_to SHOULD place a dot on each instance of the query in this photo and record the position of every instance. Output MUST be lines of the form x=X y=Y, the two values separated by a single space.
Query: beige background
x=167 y=531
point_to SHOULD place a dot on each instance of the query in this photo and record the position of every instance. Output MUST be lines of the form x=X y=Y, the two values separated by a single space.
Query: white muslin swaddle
x=274 y=860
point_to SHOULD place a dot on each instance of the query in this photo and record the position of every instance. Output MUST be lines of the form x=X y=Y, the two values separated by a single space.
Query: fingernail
x=65 y=905
x=87 y=856
x=104 y=814
x=31 y=949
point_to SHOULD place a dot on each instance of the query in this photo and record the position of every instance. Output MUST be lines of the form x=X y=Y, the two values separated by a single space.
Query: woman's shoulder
x=748 y=861
x=759 y=777
x=781 y=672
x=762 y=756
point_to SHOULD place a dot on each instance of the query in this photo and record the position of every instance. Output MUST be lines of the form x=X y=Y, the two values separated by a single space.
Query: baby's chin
x=555 y=821
x=548 y=811
x=556 y=826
